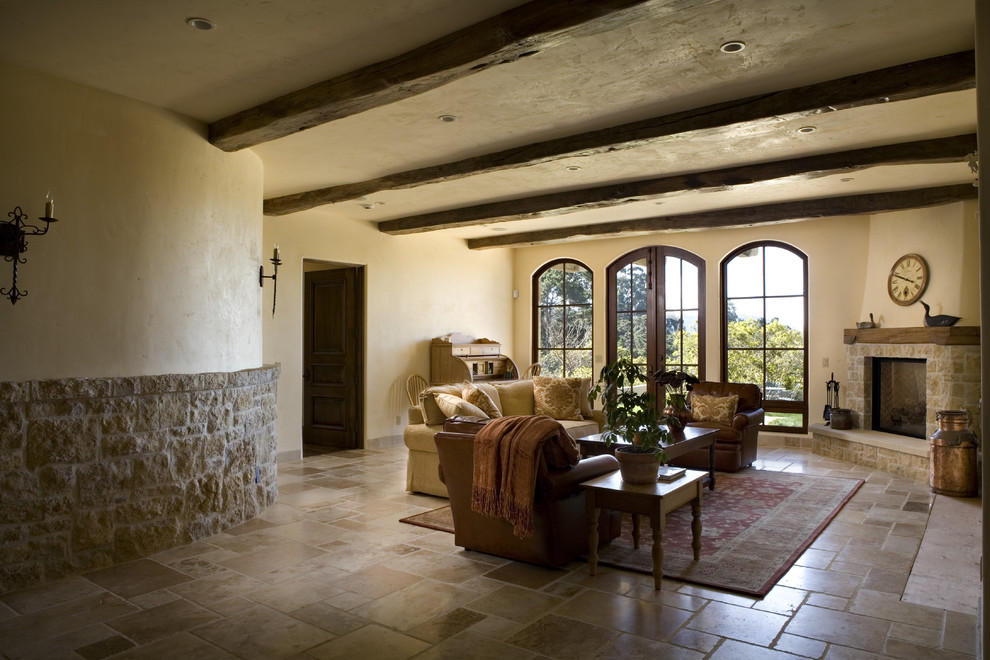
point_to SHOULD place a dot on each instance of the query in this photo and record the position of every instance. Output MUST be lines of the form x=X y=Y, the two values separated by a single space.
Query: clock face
x=908 y=279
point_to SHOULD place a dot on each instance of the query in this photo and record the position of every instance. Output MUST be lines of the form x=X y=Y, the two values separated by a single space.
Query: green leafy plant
x=630 y=415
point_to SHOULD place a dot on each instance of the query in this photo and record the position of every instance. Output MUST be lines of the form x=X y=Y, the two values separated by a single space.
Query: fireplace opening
x=899 y=400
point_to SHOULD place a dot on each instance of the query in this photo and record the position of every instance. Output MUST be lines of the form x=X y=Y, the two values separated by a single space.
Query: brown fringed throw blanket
x=509 y=454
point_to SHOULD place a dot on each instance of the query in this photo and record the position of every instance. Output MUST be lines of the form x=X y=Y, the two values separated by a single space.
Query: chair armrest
x=743 y=420
x=560 y=483
x=599 y=417
x=415 y=415
x=464 y=424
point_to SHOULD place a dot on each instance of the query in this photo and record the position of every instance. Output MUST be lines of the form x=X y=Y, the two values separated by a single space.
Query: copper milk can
x=954 y=462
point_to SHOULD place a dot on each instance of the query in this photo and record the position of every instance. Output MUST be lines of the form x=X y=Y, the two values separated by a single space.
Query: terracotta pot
x=637 y=467
x=677 y=407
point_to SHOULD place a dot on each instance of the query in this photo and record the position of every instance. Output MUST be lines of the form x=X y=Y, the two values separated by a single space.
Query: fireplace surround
x=951 y=380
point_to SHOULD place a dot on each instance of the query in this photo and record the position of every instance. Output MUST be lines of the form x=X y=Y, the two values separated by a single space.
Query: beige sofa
x=511 y=397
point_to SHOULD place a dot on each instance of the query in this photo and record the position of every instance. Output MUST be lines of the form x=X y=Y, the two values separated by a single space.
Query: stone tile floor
x=329 y=572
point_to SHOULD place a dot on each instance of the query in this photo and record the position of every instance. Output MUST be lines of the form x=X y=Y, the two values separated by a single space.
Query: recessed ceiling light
x=807 y=129
x=572 y=168
x=846 y=179
x=732 y=47
x=497 y=228
x=447 y=118
x=200 y=23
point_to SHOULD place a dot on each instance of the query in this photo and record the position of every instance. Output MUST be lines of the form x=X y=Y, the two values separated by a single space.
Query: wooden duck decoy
x=940 y=321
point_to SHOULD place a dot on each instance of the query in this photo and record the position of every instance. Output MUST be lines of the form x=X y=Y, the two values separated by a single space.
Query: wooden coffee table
x=655 y=500
x=693 y=438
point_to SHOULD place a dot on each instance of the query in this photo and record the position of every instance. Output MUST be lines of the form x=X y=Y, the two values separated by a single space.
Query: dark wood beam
x=826 y=207
x=899 y=83
x=508 y=37
x=940 y=150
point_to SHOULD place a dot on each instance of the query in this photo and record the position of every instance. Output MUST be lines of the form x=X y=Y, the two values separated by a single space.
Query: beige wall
x=417 y=287
x=848 y=257
x=150 y=268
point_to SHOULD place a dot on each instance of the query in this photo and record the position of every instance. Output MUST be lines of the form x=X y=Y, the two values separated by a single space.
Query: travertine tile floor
x=329 y=572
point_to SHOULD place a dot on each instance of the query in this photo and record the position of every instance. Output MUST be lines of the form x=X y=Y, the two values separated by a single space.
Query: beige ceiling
x=658 y=66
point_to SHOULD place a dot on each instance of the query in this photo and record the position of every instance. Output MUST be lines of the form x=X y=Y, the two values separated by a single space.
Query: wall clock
x=908 y=279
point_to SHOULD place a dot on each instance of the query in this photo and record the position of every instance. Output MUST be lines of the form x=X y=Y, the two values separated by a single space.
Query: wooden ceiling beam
x=939 y=150
x=937 y=75
x=741 y=217
x=520 y=32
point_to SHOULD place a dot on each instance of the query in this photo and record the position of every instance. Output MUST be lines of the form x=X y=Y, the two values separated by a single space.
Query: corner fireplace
x=898 y=398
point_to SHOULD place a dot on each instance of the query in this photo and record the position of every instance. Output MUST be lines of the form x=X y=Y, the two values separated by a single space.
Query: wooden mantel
x=951 y=336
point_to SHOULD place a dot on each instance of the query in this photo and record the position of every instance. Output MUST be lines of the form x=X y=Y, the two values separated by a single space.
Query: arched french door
x=656 y=311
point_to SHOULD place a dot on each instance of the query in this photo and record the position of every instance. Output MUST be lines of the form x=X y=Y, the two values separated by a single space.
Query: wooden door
x=332 y=358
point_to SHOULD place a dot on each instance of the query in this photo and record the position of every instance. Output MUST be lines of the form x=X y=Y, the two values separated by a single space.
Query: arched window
x=562 y=317
x=656 y=311
x=764 y=326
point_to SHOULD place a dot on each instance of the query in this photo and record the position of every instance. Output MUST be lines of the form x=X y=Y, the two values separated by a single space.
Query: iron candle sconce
x=13 y=243
x=273 y=277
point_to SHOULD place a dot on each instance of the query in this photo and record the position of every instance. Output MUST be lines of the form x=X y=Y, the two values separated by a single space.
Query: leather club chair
x=736 y=443
x=560 y=521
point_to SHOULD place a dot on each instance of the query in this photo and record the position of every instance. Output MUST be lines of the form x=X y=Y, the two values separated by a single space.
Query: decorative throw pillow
x=515 y=397
x=454 y=405
x=718 y=409
x=492 y=393
x=432 y=415
x=558 y=398
x=477 y=397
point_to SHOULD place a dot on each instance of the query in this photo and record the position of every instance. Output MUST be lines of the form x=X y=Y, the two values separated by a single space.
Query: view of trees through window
x=563 y=334
x=765 y=338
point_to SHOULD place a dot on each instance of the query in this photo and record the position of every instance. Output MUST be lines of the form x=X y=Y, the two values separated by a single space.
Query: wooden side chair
x=532 y=371
x=415 y=385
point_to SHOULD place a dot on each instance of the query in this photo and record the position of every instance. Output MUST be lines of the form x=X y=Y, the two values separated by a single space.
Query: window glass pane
x=674 y=339
x=786 y=326
x=785 y=376
x=672 y=283
x=623 y=289
x=690 y=341
x=551 y=362
x=577 y=285
x=785 y=272
x=746 y=367
x=783 y=419
x=623 y=335
x=551 y=327
x=578 y=327
x=639 y=337
x=744 y=274
x=690 y=281
x=745 y=323
x=579 y=364
x=638 y=285
x=552 y=286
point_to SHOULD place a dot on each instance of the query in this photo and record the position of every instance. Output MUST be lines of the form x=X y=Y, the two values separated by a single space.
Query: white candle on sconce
x=275 y=252
x=49 y=206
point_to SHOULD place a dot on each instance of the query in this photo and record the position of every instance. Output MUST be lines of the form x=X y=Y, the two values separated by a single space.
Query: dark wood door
x=332 y=365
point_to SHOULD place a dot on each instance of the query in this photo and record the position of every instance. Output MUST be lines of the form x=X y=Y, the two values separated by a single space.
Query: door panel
x=332 y=389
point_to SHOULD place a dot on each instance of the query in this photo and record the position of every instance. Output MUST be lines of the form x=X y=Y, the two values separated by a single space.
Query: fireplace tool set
x=831 y=397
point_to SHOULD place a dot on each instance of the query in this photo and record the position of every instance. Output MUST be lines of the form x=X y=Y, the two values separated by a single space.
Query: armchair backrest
x=750 y=396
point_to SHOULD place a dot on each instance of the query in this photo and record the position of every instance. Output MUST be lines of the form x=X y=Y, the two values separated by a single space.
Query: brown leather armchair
x=560 y=520
x=735 y=444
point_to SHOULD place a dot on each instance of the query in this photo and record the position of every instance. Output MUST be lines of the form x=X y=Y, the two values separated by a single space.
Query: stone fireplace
x=926 y=370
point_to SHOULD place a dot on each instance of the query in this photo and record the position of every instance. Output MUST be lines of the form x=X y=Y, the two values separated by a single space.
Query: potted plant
x=631 y=416
x=677 y=384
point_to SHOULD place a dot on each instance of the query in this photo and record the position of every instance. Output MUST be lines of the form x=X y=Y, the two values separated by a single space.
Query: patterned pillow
x=478 y=397
x=454 y=405
x=718 y=409
x=559 y=398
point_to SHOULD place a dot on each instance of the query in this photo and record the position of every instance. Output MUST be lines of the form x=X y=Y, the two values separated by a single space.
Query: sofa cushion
x=718 y=409
x=454 y=405
x=516 y=397
x=478 y=397
x=580 y=429
x=558 y=398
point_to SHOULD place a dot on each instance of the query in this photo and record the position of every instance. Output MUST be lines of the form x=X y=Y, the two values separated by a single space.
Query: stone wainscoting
x=97 y=471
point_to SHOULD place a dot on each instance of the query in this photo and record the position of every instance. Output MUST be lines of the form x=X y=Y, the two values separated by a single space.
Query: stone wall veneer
x=97 y=471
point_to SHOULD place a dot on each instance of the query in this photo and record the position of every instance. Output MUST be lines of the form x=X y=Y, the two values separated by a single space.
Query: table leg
x=696 y=524
x=593 y=513
x=656 y=523
x=635 y=521
x=711 y=466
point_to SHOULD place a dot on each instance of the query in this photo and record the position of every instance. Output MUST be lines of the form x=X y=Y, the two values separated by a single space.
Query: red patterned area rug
x=754 y=527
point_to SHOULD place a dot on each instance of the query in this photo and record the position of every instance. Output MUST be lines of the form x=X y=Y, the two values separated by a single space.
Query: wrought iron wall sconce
x=273 y=277
x=13 y=243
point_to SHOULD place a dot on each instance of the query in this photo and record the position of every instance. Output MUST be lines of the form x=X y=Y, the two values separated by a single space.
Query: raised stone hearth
x=952 y=382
